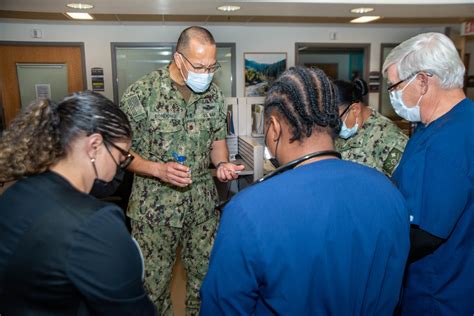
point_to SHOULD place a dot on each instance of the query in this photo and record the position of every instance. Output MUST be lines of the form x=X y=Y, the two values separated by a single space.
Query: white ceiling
x=311 y=8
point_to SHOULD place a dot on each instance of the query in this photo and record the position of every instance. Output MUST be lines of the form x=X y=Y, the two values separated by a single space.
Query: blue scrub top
x=326 y=238
x=436 y=176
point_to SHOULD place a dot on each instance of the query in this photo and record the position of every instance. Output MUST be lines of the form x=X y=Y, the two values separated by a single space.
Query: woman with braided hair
x=366 y=136
x=308 y=239
x=62 y=251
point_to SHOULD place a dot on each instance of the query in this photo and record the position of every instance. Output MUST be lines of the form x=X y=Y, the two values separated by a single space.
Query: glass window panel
x=135 y=62
x=132 y=61
x=41 y=81
x=223 y=77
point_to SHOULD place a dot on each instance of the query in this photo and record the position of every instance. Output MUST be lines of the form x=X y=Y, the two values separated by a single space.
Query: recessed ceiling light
x=80 y=6
x=80 y=15
x=362 y=10
x=228 y=8
x=365 y=19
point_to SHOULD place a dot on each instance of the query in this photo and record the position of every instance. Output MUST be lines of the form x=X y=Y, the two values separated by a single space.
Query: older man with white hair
x=436 y=174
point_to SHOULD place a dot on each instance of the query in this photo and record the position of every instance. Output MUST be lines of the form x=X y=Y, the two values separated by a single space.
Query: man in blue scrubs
x=436 y=174
x=324 y=237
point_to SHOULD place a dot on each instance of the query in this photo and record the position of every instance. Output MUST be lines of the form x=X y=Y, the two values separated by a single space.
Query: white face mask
x=196 y=81
x=347 y=132
x=266 y=152
x=411 y=114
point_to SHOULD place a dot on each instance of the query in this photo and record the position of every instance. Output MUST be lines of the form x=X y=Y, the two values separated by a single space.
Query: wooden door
x=10 y=54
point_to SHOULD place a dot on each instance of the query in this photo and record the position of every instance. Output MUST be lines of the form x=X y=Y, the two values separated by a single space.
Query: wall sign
x=374 y=81
x=97 y=76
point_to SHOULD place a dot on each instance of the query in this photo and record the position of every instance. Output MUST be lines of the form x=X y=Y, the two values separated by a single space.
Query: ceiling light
x=362 y=10
x=228 y=8
x=80 y=15
x=365 y=19
x=80 y=6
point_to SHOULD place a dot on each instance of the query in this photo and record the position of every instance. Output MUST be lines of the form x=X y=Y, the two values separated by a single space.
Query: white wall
x=248 y=38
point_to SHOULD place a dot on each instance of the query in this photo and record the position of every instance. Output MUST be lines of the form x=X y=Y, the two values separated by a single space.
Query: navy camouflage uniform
x=164 y=216
x=379 y=144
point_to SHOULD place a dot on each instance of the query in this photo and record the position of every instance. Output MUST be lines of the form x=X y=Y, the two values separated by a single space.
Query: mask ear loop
x=180 y=70
x=276 y=148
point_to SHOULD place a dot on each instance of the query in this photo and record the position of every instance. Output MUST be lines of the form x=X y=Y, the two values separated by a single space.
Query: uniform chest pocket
x=166 y=135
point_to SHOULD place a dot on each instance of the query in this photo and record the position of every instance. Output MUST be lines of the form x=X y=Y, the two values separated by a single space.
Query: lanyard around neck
x=290 y=165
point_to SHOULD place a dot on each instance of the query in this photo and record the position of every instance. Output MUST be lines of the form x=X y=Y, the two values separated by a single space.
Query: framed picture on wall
x=260 y=70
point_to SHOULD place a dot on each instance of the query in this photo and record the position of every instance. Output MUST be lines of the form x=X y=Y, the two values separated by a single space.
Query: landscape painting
x=261 y=69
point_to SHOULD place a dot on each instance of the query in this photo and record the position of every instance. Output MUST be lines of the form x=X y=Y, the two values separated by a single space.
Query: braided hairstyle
x=305 y=97
x=42 y=134
x=348 y=92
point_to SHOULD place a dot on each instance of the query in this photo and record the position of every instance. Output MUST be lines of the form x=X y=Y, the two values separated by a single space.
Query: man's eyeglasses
x=395 y=85
x=128 y=156
x=202 y=69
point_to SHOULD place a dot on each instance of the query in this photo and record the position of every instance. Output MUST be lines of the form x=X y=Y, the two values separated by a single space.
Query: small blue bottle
x=179 y=159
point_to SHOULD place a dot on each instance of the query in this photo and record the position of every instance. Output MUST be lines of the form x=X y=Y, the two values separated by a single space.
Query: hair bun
x=361 y=87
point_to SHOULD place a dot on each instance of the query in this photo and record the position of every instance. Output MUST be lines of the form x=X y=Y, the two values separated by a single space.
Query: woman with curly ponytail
x=32 y=143
x=62 y=251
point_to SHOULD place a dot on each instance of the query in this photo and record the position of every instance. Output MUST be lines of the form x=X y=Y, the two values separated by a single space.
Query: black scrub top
x=63 y=252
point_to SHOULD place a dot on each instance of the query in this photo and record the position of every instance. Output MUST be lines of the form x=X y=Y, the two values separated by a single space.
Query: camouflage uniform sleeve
x=395 y=154
x=133 y=103
x=220 y=128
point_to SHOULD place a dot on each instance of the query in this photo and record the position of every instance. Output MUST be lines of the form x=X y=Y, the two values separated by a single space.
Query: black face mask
x=101 y=189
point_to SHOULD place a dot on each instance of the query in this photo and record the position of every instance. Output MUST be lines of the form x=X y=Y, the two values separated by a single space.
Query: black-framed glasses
x=128 y=156
x=393 y=86
x=345 y=111
x=211 y=69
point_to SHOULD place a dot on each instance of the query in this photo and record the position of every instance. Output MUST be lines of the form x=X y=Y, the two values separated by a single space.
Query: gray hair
x=430 y=52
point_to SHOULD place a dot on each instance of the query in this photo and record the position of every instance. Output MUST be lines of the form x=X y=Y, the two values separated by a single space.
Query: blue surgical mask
x=411 y=114
x=198 y=82
x=347 y=132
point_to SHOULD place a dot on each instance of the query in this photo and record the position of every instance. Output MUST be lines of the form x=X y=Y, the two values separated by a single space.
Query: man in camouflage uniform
x=178 y=119
x=378 y=142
